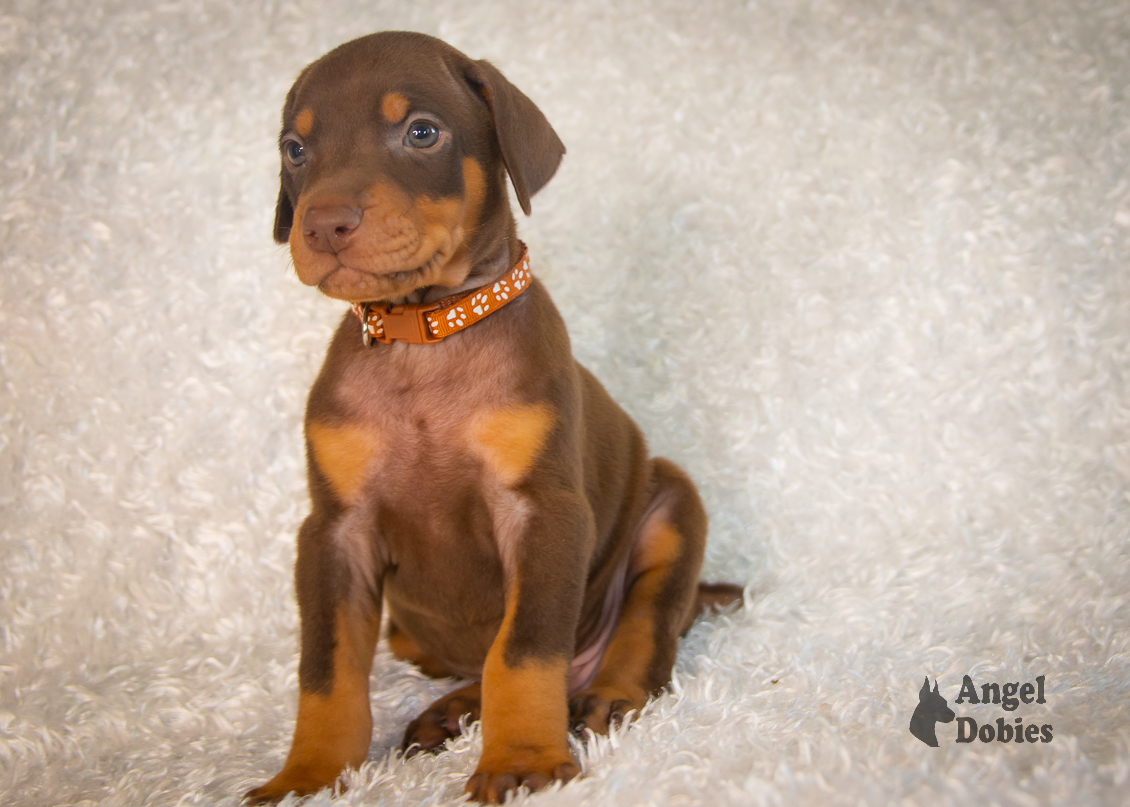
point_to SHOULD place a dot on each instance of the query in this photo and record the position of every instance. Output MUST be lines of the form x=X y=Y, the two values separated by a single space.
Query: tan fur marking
x=440 y=213
x=394 y=107
x=510 y=439
x=458 y=264
x=659 y=546
x=342 y=454
x=474 y=192
x=333 y=729
x=403 y=646
x=408 y=649
x=525 y=711
x=525 y=715
x=304 y=122
x=624 y=668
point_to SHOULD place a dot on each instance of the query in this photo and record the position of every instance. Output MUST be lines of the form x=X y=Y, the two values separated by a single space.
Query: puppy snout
x=330 y=229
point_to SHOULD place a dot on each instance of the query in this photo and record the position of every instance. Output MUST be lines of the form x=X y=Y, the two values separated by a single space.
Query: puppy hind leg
x=440 y=722
x=661 y=601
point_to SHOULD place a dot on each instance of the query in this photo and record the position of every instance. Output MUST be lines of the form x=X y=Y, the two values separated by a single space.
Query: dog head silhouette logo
x=931 y=710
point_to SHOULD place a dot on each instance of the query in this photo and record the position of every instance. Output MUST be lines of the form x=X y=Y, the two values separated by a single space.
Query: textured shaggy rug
x=861 y=267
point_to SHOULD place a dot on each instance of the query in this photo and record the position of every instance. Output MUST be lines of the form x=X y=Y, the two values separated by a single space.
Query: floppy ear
x=284 y=210
x=284 y=216
x=530 y=148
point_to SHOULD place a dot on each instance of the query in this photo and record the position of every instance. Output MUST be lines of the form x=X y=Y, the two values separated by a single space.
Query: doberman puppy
x=464 y=471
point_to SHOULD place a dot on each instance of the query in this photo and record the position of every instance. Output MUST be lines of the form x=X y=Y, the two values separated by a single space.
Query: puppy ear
x=530 y=148
x=284 y=216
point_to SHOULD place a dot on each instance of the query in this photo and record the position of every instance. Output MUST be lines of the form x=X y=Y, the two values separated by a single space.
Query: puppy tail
x=714 y=597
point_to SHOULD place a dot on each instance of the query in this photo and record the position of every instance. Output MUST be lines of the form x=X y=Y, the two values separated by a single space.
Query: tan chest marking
x=509 y=440
x=342 y=454
x=304 y=122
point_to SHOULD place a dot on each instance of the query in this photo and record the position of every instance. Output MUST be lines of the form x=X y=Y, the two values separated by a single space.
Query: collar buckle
x=408 y=323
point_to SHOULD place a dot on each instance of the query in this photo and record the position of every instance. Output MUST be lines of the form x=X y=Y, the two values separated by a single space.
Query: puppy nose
x=330 y=229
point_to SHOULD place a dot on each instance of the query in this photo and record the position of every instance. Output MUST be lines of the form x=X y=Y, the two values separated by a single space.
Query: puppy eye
x=294 y=152
x=422 y=135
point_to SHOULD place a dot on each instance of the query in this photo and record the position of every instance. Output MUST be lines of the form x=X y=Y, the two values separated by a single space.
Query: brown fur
x=486 y=490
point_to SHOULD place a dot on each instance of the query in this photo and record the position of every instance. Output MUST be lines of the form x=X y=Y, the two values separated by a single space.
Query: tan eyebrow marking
x=304 y=122
x=394 y=107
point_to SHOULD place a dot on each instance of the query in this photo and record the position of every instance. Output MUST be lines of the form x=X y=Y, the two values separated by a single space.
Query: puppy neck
x=497 y=262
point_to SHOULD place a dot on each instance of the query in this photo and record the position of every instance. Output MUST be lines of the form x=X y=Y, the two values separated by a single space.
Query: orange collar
x=425 y=323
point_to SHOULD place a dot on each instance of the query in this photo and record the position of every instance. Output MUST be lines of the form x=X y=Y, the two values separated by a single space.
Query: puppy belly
x=460 y=647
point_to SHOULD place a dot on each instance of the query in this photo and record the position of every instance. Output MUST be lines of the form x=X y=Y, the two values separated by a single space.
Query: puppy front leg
x=340 y=614
x=525 y=708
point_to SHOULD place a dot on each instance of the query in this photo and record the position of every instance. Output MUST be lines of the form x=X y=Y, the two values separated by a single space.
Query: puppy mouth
x=360 y=284
x=398 y=278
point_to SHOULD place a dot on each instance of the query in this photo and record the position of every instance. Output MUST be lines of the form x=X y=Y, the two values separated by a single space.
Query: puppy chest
x=392 y=463
x=429 y=491
x=434 y=483
x=392 y=455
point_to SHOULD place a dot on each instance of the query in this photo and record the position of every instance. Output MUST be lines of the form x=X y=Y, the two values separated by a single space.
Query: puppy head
x=395 y=149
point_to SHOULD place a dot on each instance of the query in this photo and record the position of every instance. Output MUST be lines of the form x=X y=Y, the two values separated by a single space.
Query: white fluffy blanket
x=861 y=267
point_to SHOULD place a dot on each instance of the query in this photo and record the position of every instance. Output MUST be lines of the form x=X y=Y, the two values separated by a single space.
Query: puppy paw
x=440 y=722
x=264 y=795
x=493 y=781
x=301 y=782
x=600 y=709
